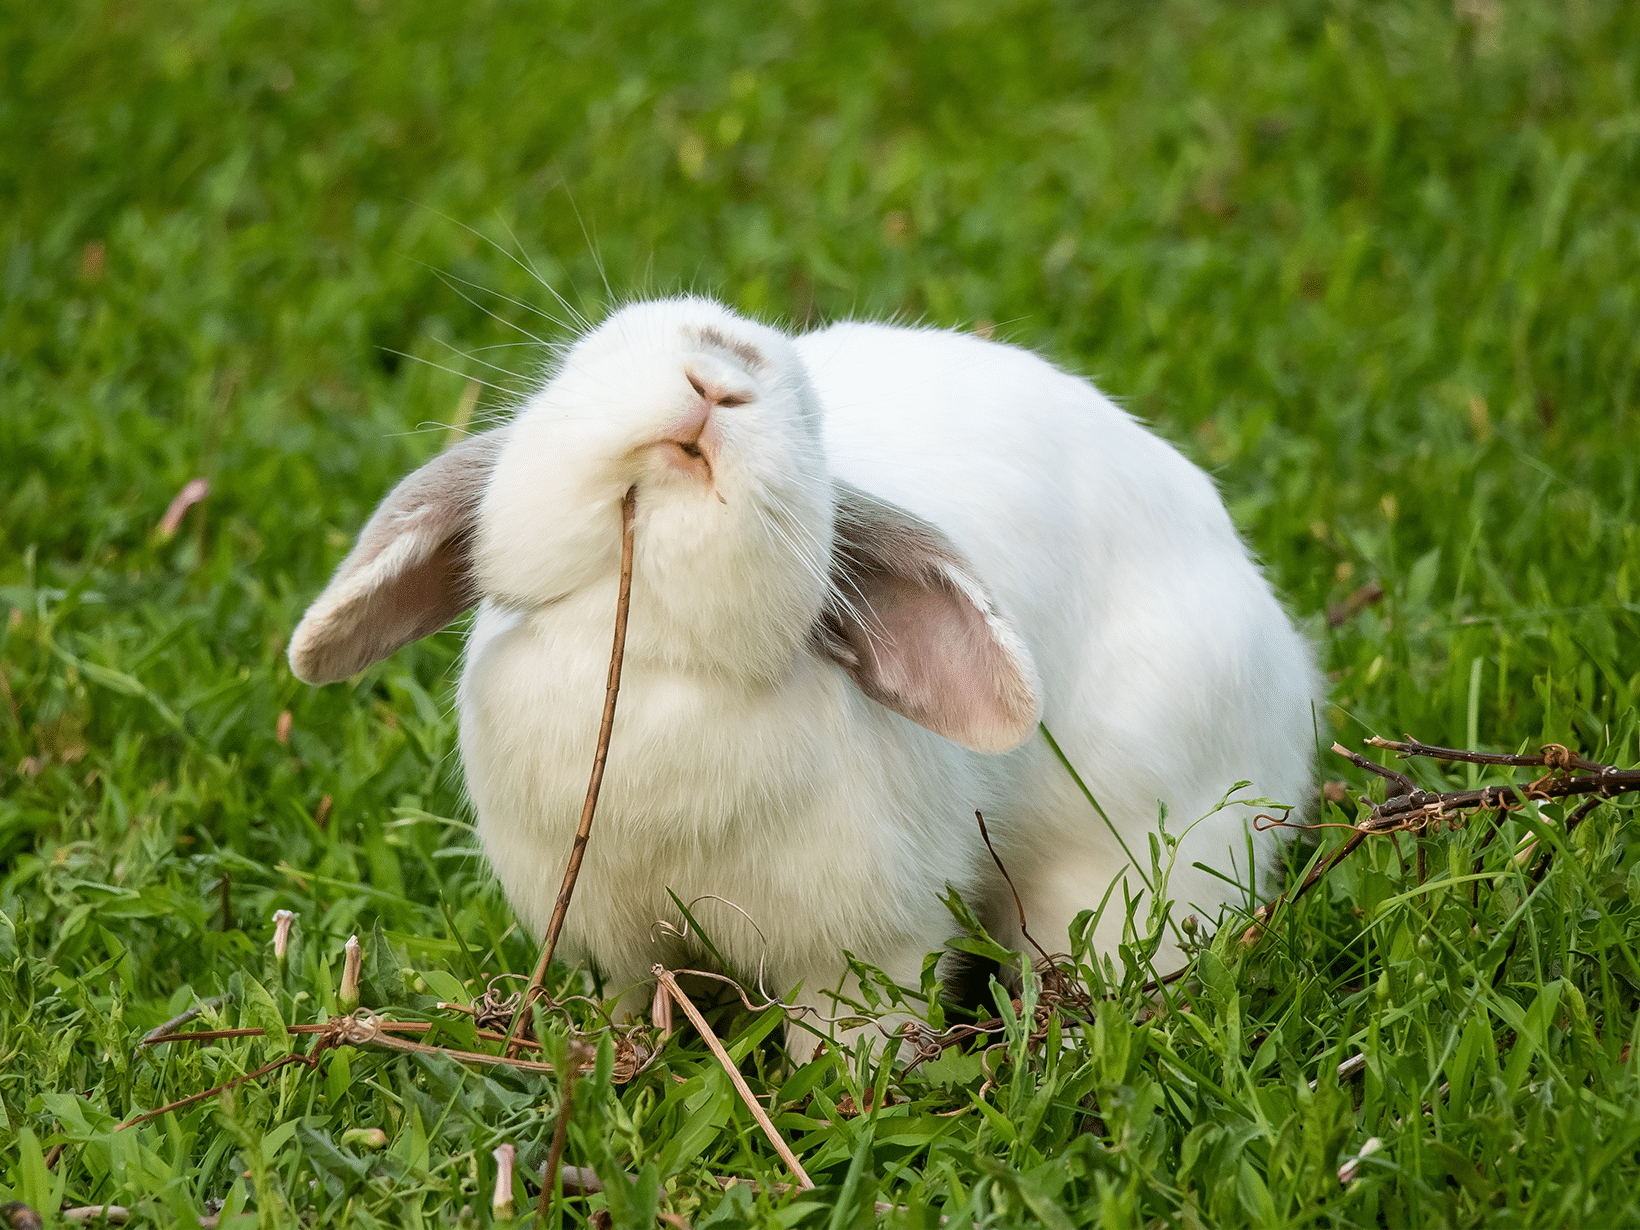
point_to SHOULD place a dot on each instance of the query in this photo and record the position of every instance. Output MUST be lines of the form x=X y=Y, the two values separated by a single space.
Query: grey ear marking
x=410 y=572
x=916 y=630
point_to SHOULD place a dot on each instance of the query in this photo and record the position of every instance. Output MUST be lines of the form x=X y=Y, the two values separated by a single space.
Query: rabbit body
x=761 y=752
x=1169 y=670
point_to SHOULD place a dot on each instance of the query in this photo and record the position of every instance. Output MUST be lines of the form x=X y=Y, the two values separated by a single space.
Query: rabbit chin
x=730 y=590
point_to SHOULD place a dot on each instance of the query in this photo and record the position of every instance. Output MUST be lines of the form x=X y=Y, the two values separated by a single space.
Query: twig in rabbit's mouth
x=578 y=851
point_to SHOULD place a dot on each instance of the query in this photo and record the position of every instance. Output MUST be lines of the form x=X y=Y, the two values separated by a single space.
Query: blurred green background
x=1375 y=265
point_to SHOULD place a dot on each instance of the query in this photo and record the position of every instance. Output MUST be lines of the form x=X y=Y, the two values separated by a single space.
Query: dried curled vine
x=1412 y=809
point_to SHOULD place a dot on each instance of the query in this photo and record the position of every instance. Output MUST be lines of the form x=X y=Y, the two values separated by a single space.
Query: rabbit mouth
x=688 y=458
x=690 y=445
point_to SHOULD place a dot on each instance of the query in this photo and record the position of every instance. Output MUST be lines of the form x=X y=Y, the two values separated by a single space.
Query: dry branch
x=398 y=1027
x=362 y=1028
x=1550 y=755
x=309 y=1059
x=623 y=601
x=1340 y=613
x=1412 y=809
x=159 y=1032
x=1018 y=904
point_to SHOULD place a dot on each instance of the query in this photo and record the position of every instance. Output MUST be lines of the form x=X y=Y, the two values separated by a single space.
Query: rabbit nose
x=716 y=392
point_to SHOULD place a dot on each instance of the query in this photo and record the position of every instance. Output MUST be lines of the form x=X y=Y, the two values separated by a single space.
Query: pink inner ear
x=923 y=649
x=408 y=575
x=913 y=627
x=425 y=597
x=407 y=605
x=932 y=651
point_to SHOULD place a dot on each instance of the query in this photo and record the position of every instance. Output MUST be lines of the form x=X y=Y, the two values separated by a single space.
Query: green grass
x=1376 y=265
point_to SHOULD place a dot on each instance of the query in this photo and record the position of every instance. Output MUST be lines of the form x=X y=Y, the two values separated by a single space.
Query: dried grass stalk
x=665 y=978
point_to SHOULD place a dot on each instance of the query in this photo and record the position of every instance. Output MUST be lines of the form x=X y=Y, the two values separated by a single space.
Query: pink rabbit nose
x=716 y=392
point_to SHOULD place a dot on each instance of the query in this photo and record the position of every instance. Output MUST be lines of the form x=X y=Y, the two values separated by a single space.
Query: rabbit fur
x=868 y=560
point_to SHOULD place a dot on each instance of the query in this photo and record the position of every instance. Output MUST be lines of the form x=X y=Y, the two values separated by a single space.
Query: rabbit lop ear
x=914 y=627
x=410 y=572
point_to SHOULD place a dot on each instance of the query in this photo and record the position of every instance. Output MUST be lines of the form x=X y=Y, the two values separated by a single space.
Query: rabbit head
x=714 y=421
x=748 y=552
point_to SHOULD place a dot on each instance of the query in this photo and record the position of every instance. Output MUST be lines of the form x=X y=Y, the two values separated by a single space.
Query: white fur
x=1170 y=671
x=744 y=762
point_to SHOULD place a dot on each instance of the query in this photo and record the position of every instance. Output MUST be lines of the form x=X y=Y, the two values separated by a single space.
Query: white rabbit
x=868 y=561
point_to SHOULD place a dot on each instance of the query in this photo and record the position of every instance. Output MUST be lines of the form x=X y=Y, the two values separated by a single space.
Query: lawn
x=1375 y=266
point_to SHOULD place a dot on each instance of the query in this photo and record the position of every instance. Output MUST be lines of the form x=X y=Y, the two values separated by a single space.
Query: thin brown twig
x=622 y=602
x=1425 y=805
x=181 y=1018
x=560 y=1133
x=1156 y=984
x=361 y=1028
x=1340 y=612
x=1061 y=989
x=1417 y=805
x=1401 y=780
x=398 y=1027
x=666 y=979
x=1554 y=755
x=1018 y=904
x=282 y=1062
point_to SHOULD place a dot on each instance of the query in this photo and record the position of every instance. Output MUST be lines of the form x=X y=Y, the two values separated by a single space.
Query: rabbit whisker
x=416 y=358
x=584 y=325
x=451 y=281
